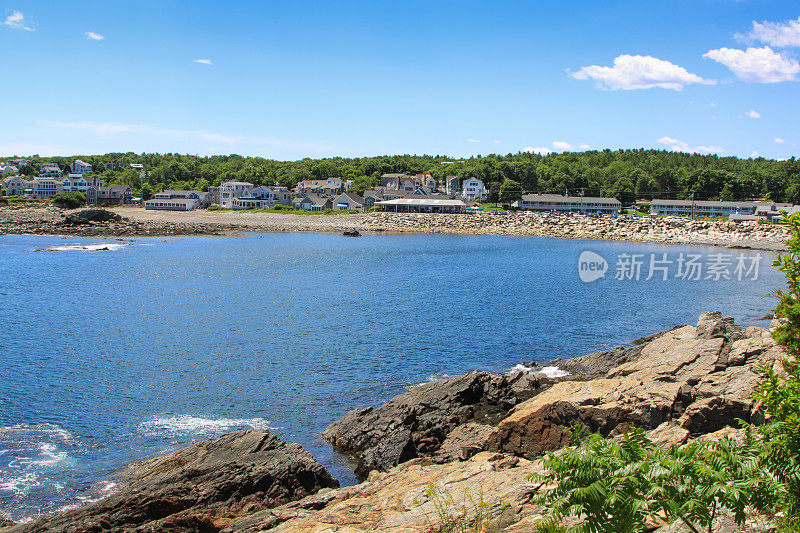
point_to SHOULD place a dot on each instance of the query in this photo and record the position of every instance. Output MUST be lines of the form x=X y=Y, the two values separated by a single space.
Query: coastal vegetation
x=69 y=200
x=624 y=174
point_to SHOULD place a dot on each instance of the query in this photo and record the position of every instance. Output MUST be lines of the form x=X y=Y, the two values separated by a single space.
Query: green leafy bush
x=69 y=200
x=626 y=486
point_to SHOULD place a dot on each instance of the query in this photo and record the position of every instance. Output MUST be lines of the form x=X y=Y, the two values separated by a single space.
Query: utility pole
x=692 y=205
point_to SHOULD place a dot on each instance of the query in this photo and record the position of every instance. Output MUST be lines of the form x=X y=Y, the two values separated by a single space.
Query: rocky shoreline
x=446 y=444
x=135 y=222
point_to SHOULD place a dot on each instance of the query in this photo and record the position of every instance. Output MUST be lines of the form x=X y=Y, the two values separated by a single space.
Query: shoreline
x=137 y=222
x=491 y=427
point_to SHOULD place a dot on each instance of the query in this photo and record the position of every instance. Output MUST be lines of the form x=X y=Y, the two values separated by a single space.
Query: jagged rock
x=5 y=522
x=408 y=498
x=417 y=422
x=200 y=488
x=700 y=378
x=87 y=216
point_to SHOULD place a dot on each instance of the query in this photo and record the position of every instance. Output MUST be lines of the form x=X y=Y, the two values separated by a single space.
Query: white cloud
x=94 y=36
x=537 y=150
x=496 y=142
x=16 y=20
x=753 y=114
x=584 y=146
x=778 y=140
x=709 y=149
x=473 y=141
x=640 y=72
x=757 y=65
x=679 y=146
x=776 y=33
x=203 y=61
x=561 y=145
x=754 y=155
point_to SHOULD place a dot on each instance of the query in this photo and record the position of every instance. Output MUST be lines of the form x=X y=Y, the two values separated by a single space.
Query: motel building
x=569 y=204
x=701 y=208
x=422 y=205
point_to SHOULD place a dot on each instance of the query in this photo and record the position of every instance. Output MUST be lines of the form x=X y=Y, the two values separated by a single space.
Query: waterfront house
x=313 y=202
x=569 y=204
x=473 y=189
x=79 y=182
x=326 y=187
x=43 y=187
x=442 y=204
x=110 y=196
x=348 y=200
x=273 y=195
x=228 y=191
x=80 y=167
x=49 y=170
x=12 y=186
x=371 y=196
x=701 y=208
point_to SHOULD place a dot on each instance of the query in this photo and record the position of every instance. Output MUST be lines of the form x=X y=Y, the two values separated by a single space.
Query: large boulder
x=700 y=379
x=204 y=487
x=416 y=423
x=87 y=216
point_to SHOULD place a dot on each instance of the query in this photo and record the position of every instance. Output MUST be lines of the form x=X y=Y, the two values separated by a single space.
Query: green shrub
x=624 y=487
x=69 y=200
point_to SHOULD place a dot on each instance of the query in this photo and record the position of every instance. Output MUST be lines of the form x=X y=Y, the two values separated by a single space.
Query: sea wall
x=745 y=234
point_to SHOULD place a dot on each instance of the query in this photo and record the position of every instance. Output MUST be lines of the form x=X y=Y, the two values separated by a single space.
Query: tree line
x=624 y=174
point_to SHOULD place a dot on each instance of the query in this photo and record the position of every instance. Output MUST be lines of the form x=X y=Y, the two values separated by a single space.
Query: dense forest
x=624 y=174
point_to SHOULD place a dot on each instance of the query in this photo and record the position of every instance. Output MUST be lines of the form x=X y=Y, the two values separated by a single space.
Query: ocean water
x=118 y=350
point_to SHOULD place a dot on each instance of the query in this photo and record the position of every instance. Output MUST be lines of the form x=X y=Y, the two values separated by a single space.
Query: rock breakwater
x=717 y=233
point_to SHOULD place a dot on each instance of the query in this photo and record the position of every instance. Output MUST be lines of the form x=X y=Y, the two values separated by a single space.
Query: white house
x=473 y=189
x=80 y=167
x=43 y=187
x=165 y=203
x=228 y=190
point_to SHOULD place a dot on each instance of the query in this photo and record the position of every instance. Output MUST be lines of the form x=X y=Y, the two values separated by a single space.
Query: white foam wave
x=95 y=247
x=185 y=424
x=552 y=372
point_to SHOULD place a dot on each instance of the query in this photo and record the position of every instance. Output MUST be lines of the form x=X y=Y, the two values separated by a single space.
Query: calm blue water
x=113 y=356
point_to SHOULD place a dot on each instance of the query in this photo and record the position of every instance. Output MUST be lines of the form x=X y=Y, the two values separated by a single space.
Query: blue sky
x=297 y=79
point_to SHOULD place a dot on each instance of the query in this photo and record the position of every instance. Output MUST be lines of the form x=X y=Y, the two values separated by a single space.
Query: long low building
x=172 y=204
x=701 y=208
x=569 y=204
x=422 y=205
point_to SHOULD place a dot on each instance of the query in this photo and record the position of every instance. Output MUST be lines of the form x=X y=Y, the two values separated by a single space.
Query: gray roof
x=553 y=198
x=424 y=202
x=703 y=203
x=354 y=197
